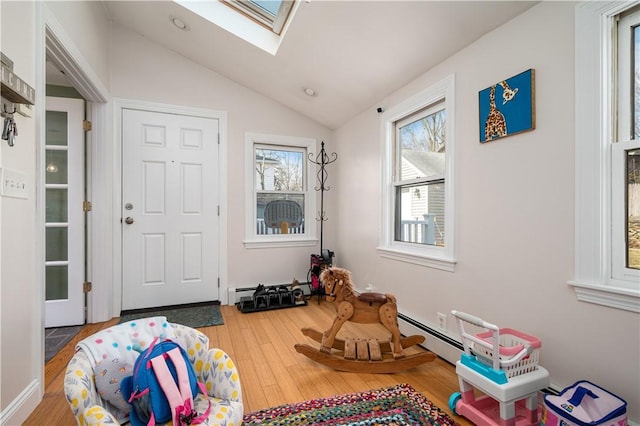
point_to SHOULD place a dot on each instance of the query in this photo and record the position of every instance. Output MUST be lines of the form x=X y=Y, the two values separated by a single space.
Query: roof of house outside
x=428 y=163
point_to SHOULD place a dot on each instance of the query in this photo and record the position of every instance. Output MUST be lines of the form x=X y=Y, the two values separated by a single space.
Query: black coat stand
x=322 y=159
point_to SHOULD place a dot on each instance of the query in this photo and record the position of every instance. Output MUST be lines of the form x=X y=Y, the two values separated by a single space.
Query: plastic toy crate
x=511 y=343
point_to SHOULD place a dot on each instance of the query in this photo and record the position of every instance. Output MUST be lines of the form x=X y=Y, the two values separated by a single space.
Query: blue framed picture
x=508 y=107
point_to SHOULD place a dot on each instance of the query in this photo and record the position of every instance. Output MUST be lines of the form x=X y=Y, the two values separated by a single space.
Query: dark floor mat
x=56 y=338
x=194 y=315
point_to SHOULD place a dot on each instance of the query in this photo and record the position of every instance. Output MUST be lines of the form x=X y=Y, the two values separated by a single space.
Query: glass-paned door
x=64 y=216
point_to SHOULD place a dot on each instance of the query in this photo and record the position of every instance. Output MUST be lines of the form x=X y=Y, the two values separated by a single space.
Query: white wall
x=86 y=25
x=86 y=29
x=514 y=211
x=144 y=70
x=20 y=327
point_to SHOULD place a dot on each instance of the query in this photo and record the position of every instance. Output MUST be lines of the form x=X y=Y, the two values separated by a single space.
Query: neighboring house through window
x=607 y=266
x=417 y=167
x=279 y=201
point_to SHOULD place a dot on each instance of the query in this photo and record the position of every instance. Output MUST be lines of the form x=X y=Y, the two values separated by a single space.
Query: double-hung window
x=625 y=150
x=607 y=268
x=279 y=203
x=417 y=165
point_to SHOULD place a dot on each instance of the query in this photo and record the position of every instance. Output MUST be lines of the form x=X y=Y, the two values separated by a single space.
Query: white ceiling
x=353 y=53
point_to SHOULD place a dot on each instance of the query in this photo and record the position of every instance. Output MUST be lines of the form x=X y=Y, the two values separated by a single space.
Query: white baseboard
x=20 y=408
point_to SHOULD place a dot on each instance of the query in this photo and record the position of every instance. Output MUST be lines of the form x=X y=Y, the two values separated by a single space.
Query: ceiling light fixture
x=179 y=23
x=309 y=91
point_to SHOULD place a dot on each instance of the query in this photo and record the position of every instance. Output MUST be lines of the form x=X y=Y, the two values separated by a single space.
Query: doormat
x=396 y=405
x=56 y=338
x=194 y=315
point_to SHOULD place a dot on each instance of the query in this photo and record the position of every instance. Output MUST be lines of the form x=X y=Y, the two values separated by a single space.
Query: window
x=419 y=177
x=272 y=14
x=279 y=203
x=625 y=159
x=607 y=145
x=418 y=141
x=263 y=23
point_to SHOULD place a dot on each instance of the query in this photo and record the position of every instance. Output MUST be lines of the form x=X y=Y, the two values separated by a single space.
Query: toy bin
x=511 y=342
x=584 y=404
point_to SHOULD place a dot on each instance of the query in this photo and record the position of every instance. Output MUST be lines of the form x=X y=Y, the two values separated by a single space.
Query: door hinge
x=86 y=206
x=218 y=282
x=86 y=125
x=86 y=286
x=218 y=209
x=218 y=138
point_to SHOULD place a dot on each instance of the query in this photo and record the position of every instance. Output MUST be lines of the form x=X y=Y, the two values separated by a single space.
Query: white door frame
x=118 y=105
x=51 y=39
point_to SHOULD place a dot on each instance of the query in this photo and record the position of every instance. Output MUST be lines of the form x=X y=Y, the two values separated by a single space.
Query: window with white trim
x=417 y=166
x=607 y=246
x=625 y=151
x=279 y=203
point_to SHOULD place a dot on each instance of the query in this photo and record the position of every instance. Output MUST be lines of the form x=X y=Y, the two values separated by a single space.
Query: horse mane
x=348 y=291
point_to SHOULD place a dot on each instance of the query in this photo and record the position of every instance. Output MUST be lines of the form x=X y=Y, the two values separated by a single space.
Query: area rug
x=193 y=315
x=396 y=405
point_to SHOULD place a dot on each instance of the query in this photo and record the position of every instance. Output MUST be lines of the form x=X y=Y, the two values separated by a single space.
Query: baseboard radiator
x=436 y=341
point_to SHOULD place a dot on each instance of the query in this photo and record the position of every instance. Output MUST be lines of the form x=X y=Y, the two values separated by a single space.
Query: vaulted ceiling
x=352 y=53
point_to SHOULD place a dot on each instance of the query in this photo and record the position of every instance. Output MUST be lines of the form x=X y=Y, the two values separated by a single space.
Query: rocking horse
x=361 y=355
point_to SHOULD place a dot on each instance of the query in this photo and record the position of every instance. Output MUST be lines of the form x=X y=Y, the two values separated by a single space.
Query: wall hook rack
x=12 y=89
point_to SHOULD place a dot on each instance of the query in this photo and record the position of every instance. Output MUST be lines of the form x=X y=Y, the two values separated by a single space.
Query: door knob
x=128 y=220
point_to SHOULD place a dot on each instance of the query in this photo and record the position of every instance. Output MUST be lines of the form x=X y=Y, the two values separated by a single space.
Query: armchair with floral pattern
x=213 y=366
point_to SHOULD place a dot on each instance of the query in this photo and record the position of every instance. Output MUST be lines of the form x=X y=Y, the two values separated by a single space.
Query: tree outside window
x=279 y=175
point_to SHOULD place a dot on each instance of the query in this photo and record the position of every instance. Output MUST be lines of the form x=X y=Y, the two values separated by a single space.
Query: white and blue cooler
x=584 y=404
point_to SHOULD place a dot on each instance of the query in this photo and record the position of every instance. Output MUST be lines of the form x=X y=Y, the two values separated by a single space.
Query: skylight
x=271 y=13
x=262 y=23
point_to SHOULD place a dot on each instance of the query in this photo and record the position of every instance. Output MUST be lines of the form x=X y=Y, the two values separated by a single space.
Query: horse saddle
x=372 y=298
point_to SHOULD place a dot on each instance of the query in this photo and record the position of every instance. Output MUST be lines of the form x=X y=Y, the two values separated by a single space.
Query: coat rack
x=322 y=159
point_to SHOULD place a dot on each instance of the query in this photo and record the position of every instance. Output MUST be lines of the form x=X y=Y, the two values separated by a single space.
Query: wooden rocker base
x=388 y=364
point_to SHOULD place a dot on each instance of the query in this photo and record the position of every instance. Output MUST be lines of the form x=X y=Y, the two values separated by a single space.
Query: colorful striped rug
x=396 y=405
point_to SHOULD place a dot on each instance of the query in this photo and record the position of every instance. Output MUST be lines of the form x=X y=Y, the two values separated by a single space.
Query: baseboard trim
x=23 y=405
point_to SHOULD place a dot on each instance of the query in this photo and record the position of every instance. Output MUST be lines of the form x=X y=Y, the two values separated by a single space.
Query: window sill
x=614 y=297
x=272 y=243
x=442 y=263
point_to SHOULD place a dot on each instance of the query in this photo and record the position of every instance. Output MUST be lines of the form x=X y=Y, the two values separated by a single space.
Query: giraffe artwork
x=514 y=114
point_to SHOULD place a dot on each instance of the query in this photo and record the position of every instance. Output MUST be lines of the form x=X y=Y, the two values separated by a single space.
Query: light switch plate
x=13 y=184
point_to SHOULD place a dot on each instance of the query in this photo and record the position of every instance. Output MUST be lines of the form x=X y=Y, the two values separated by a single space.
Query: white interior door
x=169 y=209
x=64 y=217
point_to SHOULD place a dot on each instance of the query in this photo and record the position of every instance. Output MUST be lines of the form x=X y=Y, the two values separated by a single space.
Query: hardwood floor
x=271 y=371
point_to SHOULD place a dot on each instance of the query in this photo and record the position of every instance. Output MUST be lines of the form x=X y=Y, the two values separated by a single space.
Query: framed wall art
x=508 y=107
